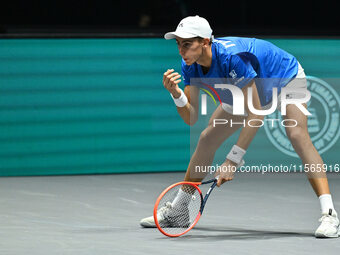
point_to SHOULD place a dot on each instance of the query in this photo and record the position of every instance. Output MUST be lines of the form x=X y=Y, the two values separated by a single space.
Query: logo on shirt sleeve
x=233 y=74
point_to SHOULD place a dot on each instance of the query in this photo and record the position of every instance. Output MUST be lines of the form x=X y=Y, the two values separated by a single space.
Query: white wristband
x=181 y=101
x=236 y=154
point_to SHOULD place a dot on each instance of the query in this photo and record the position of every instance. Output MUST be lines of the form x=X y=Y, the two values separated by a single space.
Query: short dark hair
x=201 y=39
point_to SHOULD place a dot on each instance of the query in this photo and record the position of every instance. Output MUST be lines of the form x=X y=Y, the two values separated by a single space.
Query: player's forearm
x=248 y=132
x=188 y=114
x=187 y=104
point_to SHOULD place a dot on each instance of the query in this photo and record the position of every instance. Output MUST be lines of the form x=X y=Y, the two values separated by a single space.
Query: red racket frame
x=194 y=184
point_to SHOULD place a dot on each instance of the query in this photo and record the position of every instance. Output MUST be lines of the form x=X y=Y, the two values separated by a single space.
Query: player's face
x=189 y=49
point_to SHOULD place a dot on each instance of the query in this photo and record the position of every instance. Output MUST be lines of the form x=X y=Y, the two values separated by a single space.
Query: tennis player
x=244 y=61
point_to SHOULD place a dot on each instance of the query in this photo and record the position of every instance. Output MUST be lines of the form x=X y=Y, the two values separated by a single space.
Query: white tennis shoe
x=167 y=217
x=329 y=226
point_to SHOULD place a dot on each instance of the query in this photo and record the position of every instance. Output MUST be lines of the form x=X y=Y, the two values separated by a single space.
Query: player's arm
x=235 y=156
x=187 y=101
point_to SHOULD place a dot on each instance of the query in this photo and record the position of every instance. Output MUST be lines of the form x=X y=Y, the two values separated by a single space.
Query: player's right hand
x=170 y=82
x=227 y=174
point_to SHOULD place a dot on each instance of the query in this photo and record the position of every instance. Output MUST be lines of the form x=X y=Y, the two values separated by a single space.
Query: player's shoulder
x=225 y=48
x=232 y=45
x=230 y=48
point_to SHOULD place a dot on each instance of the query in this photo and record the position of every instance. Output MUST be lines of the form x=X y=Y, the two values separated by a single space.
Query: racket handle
x=216 y=178
x=209 y=181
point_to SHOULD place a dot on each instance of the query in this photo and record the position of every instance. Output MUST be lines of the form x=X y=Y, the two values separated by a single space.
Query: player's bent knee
x=207 y=138
x=297 y=134
x=205 y=135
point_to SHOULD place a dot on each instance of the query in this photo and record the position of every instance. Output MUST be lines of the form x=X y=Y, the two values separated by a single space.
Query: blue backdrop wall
x=79 y=106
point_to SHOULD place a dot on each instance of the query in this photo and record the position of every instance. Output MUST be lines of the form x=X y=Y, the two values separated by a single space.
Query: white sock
x=182 y=199
x=326 y=203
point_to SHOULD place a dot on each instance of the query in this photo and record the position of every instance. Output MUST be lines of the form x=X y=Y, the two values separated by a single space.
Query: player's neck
x=206 y=58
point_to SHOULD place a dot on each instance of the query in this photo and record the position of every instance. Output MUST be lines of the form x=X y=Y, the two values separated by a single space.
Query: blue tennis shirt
x=240 y=60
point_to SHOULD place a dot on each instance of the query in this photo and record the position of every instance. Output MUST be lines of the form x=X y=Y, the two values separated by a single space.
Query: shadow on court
x=228 y=233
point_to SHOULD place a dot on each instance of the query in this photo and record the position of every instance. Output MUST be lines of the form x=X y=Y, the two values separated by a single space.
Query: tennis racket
x=174 y=213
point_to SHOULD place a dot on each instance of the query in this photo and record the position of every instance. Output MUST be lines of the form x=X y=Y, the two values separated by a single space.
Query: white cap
x=190 y=27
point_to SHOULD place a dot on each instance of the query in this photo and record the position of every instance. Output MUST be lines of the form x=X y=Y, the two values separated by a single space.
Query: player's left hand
x=226 y=172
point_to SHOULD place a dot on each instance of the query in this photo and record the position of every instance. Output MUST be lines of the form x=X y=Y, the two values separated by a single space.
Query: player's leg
x=304 y=147
x=210 y=140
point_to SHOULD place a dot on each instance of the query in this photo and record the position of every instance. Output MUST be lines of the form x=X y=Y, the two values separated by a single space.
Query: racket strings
x=178 y=209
